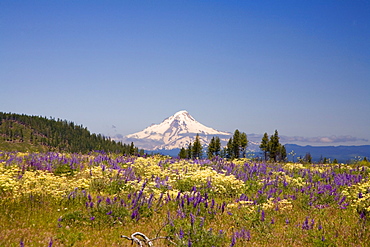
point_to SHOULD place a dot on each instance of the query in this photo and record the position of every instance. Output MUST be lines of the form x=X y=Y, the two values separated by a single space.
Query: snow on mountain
x=175 y=132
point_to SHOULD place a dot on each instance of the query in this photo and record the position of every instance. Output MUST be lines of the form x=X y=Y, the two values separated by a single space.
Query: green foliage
x=237 y=145
x=195 y=233
x=69 y=237
x=264 y=144
x=197 y=148
x=272 y=147
x=35 y=133
x=183 y=153
x=214 y=147
x=189 y=151
x=243 y=144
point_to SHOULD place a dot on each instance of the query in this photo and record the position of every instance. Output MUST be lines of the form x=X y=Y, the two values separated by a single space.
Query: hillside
x=36 y=133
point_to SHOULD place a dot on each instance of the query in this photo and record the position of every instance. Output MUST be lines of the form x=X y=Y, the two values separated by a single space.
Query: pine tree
x=183 y=154
x=217 y=148
x=189 y=151
x=265 y=145
x=197 y=148
x=283 y=153
x=274 y=146
x=229 y=148
x=214 y=147
x=243 y=144
x=132 y=148
x=236 y=144
x=211 y=148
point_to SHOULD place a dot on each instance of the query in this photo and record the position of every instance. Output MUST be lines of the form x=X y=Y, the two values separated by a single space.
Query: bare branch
x=145 y=239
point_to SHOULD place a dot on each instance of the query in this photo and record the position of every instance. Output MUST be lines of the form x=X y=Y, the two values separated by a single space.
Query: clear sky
x=301 y=67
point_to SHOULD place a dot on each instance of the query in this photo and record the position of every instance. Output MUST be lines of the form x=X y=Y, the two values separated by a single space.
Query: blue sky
x=301 y=67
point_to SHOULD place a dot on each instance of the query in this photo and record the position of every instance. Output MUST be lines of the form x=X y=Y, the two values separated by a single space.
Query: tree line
x=57 y=135
x=272 y=148
x=236 y=147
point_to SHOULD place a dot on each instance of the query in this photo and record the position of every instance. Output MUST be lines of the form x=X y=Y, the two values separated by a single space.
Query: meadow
x=66 y=199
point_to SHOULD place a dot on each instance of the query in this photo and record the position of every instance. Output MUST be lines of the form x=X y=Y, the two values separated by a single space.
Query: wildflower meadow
x=99 y=199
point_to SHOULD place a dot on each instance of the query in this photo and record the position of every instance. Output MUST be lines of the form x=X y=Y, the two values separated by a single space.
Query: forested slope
x=19 y=132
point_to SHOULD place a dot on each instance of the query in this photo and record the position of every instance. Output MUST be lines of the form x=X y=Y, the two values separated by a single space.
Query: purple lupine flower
x=50 y=243
x=135 y=215
x=362 y=214
x=319 y=227
x=92 y=218
x=305 y=225
x=263 y=215
x=312 y=223
x=233 y=241
x=190 y=243
x=21 y=243
x=192 y=219
x=181 y=234
x=287 y=221
x=201 y=221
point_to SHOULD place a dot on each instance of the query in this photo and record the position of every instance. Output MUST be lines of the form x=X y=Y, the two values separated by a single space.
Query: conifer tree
x=197 y=148
x=214 y=147
x=243 y=144
x=264 y=145
x=217 y=148
x=189 y=151
x=283 y=153
x=274 y=146
x=236 y=144
x=183 y=153
x=229 y=148
x=211 y=148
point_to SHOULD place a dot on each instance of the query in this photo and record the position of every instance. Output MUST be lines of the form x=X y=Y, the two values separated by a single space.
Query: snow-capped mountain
x=176 y=131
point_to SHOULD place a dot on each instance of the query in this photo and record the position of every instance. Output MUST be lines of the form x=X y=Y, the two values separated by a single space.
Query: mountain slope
x=175 y=132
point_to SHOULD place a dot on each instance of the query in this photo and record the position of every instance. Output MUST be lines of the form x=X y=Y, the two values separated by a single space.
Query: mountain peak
x=181 y=112
x=175 y=131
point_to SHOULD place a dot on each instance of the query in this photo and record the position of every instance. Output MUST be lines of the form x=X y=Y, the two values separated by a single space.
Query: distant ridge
x=343 y=154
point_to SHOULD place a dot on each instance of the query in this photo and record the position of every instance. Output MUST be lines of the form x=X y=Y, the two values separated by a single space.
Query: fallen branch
x=145 y=239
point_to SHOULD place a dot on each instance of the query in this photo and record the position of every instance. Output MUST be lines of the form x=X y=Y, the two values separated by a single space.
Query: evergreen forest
x=20 y=132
